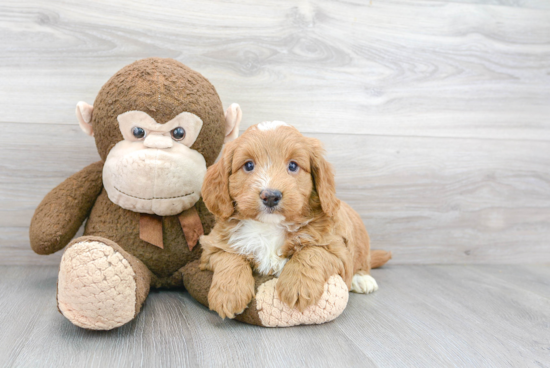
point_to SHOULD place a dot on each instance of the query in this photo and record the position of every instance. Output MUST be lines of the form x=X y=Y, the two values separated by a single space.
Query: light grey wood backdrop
x=435 y=114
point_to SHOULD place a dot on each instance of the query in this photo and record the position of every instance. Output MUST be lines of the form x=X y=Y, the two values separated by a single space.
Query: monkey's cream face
x=153 y=169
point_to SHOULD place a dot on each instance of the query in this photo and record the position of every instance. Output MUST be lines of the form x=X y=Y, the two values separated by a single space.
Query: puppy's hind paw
x=363 y=284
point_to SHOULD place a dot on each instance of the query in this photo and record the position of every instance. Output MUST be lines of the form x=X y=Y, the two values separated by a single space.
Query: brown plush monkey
x=157 y=126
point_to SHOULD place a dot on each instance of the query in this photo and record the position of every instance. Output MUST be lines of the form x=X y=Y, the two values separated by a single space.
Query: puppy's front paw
x=230 y=299
x=300 y=288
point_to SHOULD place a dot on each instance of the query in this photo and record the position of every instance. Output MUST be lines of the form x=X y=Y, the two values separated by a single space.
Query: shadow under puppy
x=277 y=213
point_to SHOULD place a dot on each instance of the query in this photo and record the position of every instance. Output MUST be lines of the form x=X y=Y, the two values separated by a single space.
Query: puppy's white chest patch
x=262 y=241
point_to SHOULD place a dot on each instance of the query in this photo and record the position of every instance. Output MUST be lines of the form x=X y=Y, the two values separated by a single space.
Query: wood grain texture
x=435 y=114
x=428 y=200
x=423 y=68
x=463 y=316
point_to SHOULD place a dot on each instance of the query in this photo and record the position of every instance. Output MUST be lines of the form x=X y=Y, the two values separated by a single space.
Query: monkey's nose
x=157 y=141
x=270 y=197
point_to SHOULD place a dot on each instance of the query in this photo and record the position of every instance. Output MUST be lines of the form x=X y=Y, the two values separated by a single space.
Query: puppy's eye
x=248 y=166
x=178 y=134
x=293 y=166
x=138 y=132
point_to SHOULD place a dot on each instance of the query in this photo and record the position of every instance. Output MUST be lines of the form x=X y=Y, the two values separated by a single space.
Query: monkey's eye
x=248 y=166
x=293 y=166
x=138 y=132
x=178 y=134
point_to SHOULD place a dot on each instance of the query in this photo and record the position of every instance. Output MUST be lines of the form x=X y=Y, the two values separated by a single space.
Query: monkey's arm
x=60 y=214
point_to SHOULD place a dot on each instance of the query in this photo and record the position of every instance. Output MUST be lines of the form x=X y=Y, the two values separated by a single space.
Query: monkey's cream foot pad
x=274 y=313
x=96 y=286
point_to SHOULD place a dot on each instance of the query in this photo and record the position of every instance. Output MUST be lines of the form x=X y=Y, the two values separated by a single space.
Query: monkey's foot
x=274 y=313
x=96 y=287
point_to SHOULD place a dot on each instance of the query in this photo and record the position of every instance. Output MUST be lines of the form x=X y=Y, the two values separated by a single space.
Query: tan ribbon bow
x=150 y=228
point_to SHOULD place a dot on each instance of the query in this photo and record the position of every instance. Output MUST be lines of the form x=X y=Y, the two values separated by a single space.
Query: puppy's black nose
x=271 y=197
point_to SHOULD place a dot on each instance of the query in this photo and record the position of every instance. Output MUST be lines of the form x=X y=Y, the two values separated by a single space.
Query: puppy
x=274 y=199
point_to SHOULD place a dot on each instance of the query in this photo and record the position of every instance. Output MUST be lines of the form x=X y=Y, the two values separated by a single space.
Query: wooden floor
x=468 y=316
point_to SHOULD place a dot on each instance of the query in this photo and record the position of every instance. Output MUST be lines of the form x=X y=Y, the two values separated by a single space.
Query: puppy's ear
x=215 y=188
x=323 y=178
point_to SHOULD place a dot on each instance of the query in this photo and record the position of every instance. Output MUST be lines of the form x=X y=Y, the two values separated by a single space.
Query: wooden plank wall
x=435 y=114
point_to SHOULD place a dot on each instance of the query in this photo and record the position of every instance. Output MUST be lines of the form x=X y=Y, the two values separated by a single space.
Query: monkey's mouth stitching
x=150 y=199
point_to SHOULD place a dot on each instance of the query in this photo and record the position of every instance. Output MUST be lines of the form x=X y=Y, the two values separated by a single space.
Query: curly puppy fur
x=307 y=237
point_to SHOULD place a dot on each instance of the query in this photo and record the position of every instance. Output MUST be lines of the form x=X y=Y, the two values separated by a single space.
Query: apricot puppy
x=275 y=202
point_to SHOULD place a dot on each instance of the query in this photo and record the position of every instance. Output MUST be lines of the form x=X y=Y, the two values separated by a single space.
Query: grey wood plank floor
x=447 y=315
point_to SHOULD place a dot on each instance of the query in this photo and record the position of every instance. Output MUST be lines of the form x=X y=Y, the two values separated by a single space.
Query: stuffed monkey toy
x=157 y=126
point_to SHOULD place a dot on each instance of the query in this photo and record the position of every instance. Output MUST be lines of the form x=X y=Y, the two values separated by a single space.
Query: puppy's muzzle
x=271 y=198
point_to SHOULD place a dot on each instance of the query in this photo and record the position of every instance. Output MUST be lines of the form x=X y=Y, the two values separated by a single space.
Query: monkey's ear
x=233 y=117
x=84 y=116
